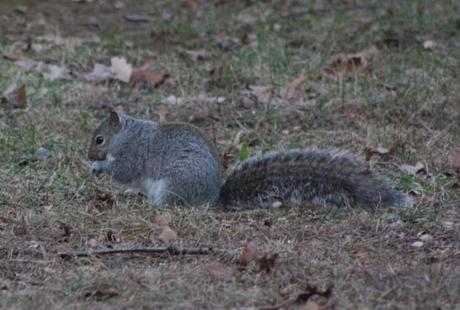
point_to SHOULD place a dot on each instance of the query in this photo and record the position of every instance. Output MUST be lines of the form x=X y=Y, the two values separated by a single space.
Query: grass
x=368 y=257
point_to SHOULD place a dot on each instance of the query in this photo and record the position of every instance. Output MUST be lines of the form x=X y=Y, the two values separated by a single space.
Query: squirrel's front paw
x=96 y=167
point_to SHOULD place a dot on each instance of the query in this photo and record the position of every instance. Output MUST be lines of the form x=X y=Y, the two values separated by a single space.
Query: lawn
x=380 y=79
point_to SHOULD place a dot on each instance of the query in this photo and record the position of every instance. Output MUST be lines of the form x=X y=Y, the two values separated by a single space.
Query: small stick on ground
x=160 y=250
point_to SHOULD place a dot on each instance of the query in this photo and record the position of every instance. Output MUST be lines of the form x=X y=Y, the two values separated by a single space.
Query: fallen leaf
x=294 y=90
x=226 y=42
x=29 y=64
x=302 y=299
x=362 y=257
x=349 y=64
x=18 y=98
x=382 y=150
x=413 y=170
x=259 y=94
x=119 y=4
x=193 y=5
x=218 y=271
x=248 y=254
x=162 y=220
x=195 y=55
x=67 y=229
x=53 y=72
x=100 y=73
x=101 y=202
x=417 y=244
x=455 y=159
x=168 y=235
x=121 y=69
x=50 y=72
x=267 y=262
x=146 y=78
x=92 y=242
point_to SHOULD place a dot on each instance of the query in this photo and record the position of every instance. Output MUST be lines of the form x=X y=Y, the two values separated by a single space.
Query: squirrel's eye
x=99 y=139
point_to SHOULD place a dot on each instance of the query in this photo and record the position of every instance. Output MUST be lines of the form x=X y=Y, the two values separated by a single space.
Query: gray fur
x=143 y=151
x=309 y=175
x=176 y=164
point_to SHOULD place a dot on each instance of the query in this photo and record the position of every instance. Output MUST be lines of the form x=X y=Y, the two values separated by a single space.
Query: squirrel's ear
x=115 y=120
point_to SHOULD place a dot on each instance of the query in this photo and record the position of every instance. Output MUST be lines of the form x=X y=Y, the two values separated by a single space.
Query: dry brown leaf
x=294 y=90
x=381 y=150
x=53 y=72
x=15 y=97
x=225 y=42
x=455 y=159
x=50 y=72
x=101 y=203
x=102 y=294
x=218 y=271
x=349 y=64
x=302 y=300
x=92 y=242
x=146 y=78
x=162 y=220
x=248 y=254
x=267 y=262
x=193 y=5
x=168 y=235
x=262 y=93
x=196 y=55
x=20 y=98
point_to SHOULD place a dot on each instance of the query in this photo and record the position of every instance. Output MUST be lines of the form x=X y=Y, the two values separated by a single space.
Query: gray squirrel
x=176 y=163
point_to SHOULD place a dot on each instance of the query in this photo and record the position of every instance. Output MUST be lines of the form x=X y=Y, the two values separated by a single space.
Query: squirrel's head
x=102 y=137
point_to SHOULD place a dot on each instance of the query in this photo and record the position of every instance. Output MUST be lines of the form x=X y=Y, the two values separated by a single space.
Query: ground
x=377 y=78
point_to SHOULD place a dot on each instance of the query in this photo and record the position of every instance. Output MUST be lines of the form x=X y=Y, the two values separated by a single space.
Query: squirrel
x=176 y=163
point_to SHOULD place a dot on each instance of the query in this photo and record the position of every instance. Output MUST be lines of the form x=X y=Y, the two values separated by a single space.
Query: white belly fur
x=155 y=189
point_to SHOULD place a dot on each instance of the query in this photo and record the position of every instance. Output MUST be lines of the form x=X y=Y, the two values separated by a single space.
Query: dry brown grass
x=410 y=96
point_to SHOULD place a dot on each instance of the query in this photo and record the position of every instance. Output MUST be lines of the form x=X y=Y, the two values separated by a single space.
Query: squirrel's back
x=302 y=176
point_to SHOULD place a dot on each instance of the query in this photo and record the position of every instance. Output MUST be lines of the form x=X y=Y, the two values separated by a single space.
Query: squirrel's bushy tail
x=296 y=176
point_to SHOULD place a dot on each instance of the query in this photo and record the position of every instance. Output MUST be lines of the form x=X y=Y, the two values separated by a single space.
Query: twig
x=160 y=250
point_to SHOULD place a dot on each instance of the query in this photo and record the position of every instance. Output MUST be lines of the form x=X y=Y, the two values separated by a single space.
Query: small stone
x=42 y=153
x=448 y=225
x=429 y=45
x=92 y=242
x=426 y=237
x=277 y=204
x=417 y=244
